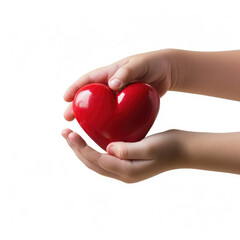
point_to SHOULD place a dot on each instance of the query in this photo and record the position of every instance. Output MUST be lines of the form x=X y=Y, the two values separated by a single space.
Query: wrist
x=176 y=148
x=179 y=70
x=182 y=153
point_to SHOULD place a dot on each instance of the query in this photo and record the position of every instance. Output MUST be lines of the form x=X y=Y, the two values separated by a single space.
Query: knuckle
x=91 y=75
x=133 y=58
x=138 y=59
x=127 y=70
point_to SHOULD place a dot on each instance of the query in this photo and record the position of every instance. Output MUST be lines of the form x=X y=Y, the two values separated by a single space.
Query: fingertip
x=70 y=93
x=68 y=116
x=65 y=97
x=117 y=149
x=63 y=132
x=68 y=97
x=69 y=113
x=110 y=149
x=66 y=132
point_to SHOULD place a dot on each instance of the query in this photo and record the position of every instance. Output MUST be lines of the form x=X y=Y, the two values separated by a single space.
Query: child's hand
x=152 y=67
x=131 y=162
x=173 y=149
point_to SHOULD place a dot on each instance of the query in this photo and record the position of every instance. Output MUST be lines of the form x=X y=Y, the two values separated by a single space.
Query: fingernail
x=111 y=150
x=114 y=82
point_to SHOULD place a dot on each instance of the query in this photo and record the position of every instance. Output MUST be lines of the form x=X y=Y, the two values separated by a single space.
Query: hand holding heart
x=128 y=162
x=153 y=68
x=131 y=162
x=129 y=158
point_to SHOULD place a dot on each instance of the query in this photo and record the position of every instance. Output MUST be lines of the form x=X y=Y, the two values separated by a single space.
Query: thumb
x=126 y=150
x=132 y=70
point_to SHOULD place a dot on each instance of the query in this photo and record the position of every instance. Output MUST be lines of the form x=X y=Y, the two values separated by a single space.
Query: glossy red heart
x=124 y=116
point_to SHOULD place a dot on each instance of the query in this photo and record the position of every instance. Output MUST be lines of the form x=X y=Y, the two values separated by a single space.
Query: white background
x=45 y=191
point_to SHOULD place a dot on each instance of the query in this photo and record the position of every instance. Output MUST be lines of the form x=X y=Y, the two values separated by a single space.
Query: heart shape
x=107 y=116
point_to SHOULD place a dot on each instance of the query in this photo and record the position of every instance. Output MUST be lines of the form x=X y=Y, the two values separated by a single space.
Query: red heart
x=108 y=117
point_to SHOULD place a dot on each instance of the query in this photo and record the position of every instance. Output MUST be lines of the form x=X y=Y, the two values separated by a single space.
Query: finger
x=135 y=69
x=126 y=150
x=100 y=75
x=79 y=145
x=69 y=114
x=119 y=168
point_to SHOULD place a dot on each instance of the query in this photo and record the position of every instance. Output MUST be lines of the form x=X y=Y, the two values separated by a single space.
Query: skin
x=208 y=73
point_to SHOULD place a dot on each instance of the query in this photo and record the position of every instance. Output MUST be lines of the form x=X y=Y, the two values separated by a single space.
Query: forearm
x=211 y=151
x=209 y=73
